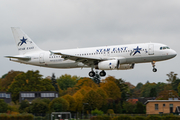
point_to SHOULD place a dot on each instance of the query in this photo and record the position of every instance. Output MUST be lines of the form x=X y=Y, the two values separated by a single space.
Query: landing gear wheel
x=92 y=74
x=102 y=73
x=154 y=70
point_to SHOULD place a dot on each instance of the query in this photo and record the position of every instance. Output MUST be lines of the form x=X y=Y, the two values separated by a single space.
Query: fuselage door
x=41 y=58
x=151 y=49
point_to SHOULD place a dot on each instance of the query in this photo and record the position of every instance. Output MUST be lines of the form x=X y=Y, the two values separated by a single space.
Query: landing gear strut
x=102 y=73
x=153 y=65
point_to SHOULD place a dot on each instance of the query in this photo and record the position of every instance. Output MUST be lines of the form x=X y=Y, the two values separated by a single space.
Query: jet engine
x=113 y=64
x=108 y=65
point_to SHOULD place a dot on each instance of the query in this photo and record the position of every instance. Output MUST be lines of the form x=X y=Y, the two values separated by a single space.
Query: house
x=6 y=97
x=161 y=106
x=31 y=95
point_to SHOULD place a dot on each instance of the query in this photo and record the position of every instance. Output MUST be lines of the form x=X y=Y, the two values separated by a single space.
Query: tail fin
x=23 y=42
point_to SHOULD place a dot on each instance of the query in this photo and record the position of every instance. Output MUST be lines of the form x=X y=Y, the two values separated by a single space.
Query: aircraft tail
x=23 y=42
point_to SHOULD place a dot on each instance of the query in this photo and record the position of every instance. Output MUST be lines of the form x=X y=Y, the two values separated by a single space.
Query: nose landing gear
x=153 y=65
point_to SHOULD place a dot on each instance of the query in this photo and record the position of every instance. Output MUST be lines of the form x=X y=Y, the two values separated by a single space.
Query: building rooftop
x=161 y=101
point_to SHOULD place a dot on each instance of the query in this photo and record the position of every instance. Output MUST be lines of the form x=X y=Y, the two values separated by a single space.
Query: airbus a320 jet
x=117 y=57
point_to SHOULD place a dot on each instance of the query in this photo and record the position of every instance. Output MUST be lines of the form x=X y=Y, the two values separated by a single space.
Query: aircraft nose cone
x=173 y=53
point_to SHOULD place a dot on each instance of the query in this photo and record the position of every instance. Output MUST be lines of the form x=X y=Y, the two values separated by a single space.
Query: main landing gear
x=102 y=73
x=153 y=65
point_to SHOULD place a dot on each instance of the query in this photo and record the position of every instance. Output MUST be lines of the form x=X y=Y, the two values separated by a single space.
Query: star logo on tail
x=23 y=40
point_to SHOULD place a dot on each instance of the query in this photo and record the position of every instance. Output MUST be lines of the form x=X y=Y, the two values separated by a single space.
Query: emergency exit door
x=151 y=49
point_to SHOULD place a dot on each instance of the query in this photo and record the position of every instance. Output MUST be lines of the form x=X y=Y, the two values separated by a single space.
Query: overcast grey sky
x=64 y=24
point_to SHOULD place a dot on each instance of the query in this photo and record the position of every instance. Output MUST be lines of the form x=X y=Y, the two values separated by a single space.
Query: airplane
x=117 y=57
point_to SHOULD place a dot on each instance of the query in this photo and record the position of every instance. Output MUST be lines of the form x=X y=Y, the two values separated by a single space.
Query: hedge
x=129 y=117
x=16 y=117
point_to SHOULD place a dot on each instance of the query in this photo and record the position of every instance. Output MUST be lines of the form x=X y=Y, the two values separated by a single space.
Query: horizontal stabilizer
x=20 y=57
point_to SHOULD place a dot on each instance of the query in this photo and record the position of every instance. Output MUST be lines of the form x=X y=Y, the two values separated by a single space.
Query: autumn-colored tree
x=70 y=91
x=86 y=82
x=58 y=105
x=7 y=79
x=71 y=101
x=103 y=94
x=123 y=86
x=93 y=99
x=66 y=81
x=29 y=81
x=166 y=94
x=79 y=100
x=108 y=79
x=111 y=89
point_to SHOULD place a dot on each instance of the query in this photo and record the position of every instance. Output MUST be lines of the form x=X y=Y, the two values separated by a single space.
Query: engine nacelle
x=126 y=66
x=108 y=65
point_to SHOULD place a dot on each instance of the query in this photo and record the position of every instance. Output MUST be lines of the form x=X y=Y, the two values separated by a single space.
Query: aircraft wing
x=20 y=57
x=86 y=60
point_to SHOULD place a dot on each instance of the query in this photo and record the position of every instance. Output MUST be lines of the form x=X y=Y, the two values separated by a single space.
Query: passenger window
x=160 y=48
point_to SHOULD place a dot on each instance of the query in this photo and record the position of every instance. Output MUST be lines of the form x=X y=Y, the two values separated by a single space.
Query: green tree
x=140 y=108
x=39 y=106
x=160 y=87
x=24 y=105
x=129 y=107
x=3 y=106
x=54 y=82
x=139 y=86
x=145 y=91
x=175 y=84
x=171 y=77
x=59 y=105
x=97 y=112
x=29 y=81
x=153 y=92
x=66 y=81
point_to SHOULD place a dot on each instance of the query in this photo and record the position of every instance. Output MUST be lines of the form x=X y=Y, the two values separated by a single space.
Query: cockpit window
x=163 y=48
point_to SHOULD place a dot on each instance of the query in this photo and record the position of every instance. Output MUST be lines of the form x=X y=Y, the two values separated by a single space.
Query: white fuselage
x=127 y=54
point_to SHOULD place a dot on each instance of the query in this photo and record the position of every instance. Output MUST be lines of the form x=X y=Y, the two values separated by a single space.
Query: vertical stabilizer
x=23 y=42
